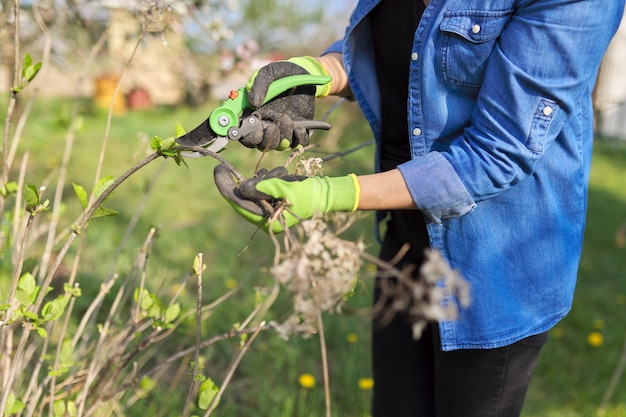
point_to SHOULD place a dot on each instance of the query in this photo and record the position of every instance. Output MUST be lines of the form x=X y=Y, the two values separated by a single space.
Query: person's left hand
x=280 y=112
x=303 y=197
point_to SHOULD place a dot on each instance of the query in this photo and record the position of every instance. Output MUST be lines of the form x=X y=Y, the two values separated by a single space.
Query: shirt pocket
x=467 y=40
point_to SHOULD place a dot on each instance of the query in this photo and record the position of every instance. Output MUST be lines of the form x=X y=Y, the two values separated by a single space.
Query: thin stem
x=86 y=217
x=12 y=100
x=107 y=131
x=320 y=325
x=69 y=146
x=196 y=354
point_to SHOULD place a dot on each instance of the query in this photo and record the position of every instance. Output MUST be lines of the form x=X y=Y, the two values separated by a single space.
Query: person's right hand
x=280 y=113
x=303 y=196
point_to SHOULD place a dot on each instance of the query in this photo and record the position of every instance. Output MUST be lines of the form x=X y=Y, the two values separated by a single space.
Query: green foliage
x=29 y=72
x=8 y=189
x=207 y=394
x=166 y=146
x=13 y=406
x=152 y=307
x=26 y=293
x=64 y=409
x=32 y=198
x=101 y=186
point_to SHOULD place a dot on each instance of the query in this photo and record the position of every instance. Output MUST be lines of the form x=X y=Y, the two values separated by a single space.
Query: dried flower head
x=319 y=270
x=435 y=294
x=310 y=167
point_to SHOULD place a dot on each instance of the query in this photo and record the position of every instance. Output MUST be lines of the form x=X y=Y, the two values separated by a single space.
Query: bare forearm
x=384 y=191
x=334 y=65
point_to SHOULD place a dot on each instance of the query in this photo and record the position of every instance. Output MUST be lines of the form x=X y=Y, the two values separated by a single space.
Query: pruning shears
x=227 y=122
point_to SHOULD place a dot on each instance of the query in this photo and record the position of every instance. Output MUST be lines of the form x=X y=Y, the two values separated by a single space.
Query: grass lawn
x=572 y=375
x=577 y=364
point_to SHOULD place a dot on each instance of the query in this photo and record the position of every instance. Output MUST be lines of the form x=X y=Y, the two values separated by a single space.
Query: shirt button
x=547 y=111
x=414 y=56
x=417 y=131
x=475 y=28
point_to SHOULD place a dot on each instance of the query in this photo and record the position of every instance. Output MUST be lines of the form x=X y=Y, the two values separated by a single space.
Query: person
x=483 y=119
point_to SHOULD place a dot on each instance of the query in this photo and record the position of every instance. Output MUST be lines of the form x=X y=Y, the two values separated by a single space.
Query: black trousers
x=415 y=378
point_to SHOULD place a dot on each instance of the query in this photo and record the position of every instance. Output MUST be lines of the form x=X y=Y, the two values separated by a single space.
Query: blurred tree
x=281 y=24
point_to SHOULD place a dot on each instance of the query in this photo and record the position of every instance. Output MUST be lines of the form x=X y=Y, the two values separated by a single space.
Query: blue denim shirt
x=501 y=132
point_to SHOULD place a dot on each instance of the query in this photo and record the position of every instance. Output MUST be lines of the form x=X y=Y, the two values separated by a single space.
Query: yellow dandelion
x=595 y=339
x=621 y=299
x=306 y=381
x=230 y=283
x=352 y=338
x=366 y=383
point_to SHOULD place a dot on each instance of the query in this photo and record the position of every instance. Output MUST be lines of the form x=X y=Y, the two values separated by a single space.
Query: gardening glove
x=280 y=113
x=305 y=196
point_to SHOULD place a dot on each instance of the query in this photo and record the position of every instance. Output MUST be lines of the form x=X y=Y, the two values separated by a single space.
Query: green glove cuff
x=343 y=193
x=313 y=67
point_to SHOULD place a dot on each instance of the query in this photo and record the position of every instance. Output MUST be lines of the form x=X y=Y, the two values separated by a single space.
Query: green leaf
x=65 y=356
x=168 y=143
x=155 y=143
x=29 y=315
x=72 y=411
x=32 y=71
x=27 y=62
x=81 y=194
x=26 y=290
x=54 y=309
x=8 y=188
x=146 y=301
x=4 y=307
x=197 y=267
x=102 y=185
x=171 y=313
x=103 y=212
x=180 y=130
x=31 y=196
x=72 y=290
x=207 y=393
x=59 y=408
x=13 y=405
x=147 y=384
x=43 y=333
x=155 y=310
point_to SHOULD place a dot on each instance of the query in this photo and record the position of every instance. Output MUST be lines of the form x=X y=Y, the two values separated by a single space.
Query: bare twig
x=4 y=172
x=196 y=354
x=69 y=146
x=324 y=352
x=207 y=152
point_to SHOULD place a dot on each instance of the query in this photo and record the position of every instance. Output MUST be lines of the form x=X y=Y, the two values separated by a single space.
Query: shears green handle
x=227 y=115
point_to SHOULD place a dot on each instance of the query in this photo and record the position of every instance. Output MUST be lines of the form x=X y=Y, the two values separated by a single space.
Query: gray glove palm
x=280 y=113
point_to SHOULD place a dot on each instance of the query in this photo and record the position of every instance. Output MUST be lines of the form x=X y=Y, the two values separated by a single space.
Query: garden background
x=123 y=338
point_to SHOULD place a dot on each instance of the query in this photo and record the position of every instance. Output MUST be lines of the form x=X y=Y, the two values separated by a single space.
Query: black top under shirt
x=393 y=24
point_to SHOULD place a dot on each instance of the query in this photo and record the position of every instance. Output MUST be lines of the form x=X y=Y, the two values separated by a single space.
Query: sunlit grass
x=191 y=217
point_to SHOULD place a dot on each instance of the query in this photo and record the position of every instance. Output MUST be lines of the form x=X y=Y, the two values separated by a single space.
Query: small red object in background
x=233 y=94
